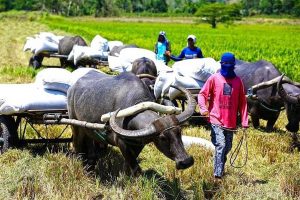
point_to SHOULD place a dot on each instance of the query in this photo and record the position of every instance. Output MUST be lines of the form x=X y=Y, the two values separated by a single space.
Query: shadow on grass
x=41 y=149
x=110 y=166
x=168 y=189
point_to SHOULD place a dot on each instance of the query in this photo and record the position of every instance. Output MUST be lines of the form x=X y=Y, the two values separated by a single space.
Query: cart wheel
x=36 y=64
x=8 y=133
x=36 y=61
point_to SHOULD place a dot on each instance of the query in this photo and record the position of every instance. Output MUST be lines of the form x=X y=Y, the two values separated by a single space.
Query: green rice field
x=277 y=43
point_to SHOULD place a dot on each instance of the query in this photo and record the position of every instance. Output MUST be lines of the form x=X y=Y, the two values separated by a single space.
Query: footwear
x=218 y=180
x=218 y=177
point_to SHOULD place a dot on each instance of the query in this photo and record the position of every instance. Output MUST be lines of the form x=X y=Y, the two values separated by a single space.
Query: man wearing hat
x=162 y=47
x=224 y=93
x=189 y=52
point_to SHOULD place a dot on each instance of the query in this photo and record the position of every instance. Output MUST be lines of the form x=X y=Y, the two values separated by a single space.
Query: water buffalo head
x=165 y=132
x=144 y=66
x=292 y=103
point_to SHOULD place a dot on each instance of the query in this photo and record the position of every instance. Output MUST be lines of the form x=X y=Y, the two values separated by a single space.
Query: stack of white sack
x=49 y=91
x=79 y=53
x=190 y=73
x=43 y=42
x=98 y=50
x=128 y=55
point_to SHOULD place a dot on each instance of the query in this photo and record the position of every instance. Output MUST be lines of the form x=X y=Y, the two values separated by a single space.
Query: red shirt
x=226 y=99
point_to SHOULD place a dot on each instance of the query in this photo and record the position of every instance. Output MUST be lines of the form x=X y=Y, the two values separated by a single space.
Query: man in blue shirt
x=162 y=47
x=189 y=52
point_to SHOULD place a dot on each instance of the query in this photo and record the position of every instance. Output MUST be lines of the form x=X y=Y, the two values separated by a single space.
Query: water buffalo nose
x=186 y=163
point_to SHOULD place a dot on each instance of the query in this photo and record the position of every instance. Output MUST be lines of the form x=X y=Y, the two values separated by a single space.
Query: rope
x=270 y=109
x=236 y=151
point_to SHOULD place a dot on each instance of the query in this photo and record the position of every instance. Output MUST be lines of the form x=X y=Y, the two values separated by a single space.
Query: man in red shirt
x=224 y=93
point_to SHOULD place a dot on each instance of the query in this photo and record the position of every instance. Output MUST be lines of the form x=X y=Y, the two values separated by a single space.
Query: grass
x=38 y=172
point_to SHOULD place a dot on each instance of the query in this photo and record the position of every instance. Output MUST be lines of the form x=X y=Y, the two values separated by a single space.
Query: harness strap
x=101 y=135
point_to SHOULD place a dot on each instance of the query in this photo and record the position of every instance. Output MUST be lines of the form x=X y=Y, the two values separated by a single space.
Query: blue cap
x=228 y=59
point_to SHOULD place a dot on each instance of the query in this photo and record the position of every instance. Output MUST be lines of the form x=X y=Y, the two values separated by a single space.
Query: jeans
x=222 y=140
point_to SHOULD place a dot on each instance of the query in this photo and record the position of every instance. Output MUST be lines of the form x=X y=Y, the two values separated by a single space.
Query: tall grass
x=272 y=170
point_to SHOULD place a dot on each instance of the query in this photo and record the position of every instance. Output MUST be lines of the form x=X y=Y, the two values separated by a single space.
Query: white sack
x=53 y=79
x=99 y=44
x=44 y=46
x=131 y=54
x=18 y=98
x=85 y=52
x=118 y=64
x=186 y=82
x=162 y=67
x=162 y=83
x=71 y=55
x=200 y=68
x=42 y=42
x=112 y=44
x=49 y=37
x=29 y=44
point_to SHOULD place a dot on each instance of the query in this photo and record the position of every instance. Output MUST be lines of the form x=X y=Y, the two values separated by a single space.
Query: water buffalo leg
x=295 y=141
x=130 y=154
x=255 y=121
x=270 y=124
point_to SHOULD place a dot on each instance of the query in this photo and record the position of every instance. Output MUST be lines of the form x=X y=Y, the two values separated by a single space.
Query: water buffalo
x=267 y=104
x=96 y=93
x=291 y=97
x=65 y=46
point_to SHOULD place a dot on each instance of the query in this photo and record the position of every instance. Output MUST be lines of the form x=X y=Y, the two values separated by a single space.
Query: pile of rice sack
x=98 y=49
x=44 y=42
x=191 y=73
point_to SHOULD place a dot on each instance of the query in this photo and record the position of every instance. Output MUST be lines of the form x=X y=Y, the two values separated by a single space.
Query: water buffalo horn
x=267 y=84
x=191 y=105
x=145 y=132
x=282 y=93
x=141 y=107
x=146 y=76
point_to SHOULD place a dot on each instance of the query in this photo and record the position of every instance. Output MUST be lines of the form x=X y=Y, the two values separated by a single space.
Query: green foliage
x=269 y=7
x=105 y=8
x=218 y=12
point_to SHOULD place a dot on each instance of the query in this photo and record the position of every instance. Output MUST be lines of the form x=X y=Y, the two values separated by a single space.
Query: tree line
x=105 y=8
